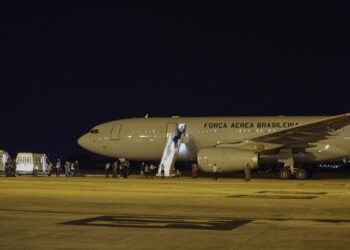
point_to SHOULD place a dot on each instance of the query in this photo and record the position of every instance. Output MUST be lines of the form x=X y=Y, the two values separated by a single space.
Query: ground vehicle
x=30 y=163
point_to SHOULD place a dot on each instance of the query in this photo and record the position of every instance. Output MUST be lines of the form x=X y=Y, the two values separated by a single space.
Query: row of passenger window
x=239 y=131
x=142 y=132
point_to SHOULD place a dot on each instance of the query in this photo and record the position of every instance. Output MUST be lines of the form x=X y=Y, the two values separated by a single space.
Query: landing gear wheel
x=285 y=174
x=301 y=174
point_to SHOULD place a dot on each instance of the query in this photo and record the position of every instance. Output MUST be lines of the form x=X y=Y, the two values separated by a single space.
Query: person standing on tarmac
x=107 y=169
x=215 y=172
x=4 y=159
x=67 y=169
x=152 y=171
x=14 y=166
x=194 y=170
x=147 y=169
x=8 y=168
x=177 y=173
x=115 y=168
x=247 y=172
x=142 y=168
x=43 y=160
x=162 y=172
x=58 y=167
x=36 y=169
x=77 y=169
x=126 y=169
x=74 y=169
x=49 y=169
x=121 y=169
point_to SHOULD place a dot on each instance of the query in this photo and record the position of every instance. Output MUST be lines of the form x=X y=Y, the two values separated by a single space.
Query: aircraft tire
x=285 y=174
x=301 y=174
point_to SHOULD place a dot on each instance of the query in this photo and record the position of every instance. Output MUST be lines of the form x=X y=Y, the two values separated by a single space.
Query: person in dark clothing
x=162 y=172
x=49 y=169
x=8 y=169
x=247 y=172
x=126 y=169
x=147 y=170
x=77 y=171
x=152 y=171
x=14 y=166
x=194 y=170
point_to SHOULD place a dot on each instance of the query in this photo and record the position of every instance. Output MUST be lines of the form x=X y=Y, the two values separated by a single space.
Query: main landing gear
x=290 y=170
x=299 y=173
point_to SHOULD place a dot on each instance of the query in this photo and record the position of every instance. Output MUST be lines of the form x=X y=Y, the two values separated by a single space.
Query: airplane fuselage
x=144 y=139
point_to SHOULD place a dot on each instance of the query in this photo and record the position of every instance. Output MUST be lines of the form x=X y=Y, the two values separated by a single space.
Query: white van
x=25 y=163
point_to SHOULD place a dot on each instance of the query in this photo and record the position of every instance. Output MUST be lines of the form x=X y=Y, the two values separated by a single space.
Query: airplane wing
x=300 y=136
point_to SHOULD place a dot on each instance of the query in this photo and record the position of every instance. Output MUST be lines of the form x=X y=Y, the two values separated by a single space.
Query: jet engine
x=227 y=159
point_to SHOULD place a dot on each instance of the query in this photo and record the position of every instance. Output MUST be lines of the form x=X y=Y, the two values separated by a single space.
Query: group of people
x=149 y=171
x=70 y=169
x=118 y=169
x=10 y=168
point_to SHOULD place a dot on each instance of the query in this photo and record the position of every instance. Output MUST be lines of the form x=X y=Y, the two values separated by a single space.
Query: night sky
x=68 y=67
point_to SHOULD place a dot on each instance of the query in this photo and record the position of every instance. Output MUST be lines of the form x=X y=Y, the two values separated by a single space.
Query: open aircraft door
x=170 y=128
x=115 y=133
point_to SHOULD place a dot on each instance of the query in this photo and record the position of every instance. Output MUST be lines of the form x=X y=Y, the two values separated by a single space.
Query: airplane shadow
x=159 y=222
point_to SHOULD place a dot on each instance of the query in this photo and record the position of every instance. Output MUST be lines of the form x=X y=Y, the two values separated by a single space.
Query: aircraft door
x=170 y=128
x=115 y=133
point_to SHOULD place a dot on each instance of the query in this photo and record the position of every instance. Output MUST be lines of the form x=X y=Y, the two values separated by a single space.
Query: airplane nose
x=82 y=141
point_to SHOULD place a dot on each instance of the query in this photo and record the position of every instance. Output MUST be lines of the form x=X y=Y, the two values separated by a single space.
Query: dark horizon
x=68 y=67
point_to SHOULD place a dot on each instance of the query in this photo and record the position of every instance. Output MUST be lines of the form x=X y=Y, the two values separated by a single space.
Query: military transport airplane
x=232 y=143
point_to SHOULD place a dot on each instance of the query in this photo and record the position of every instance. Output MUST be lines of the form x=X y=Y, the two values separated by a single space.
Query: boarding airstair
x=171 y=149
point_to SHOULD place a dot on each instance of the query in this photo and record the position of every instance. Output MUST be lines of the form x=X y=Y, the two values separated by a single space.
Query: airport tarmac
x=134 y=213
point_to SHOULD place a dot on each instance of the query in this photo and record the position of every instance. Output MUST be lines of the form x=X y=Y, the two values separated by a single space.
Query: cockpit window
x=94 y=131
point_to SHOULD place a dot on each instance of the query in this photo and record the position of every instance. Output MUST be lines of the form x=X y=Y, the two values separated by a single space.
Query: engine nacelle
x=227 y=159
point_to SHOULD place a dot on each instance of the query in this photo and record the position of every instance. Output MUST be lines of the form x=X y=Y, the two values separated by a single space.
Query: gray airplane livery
x=231 y=143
